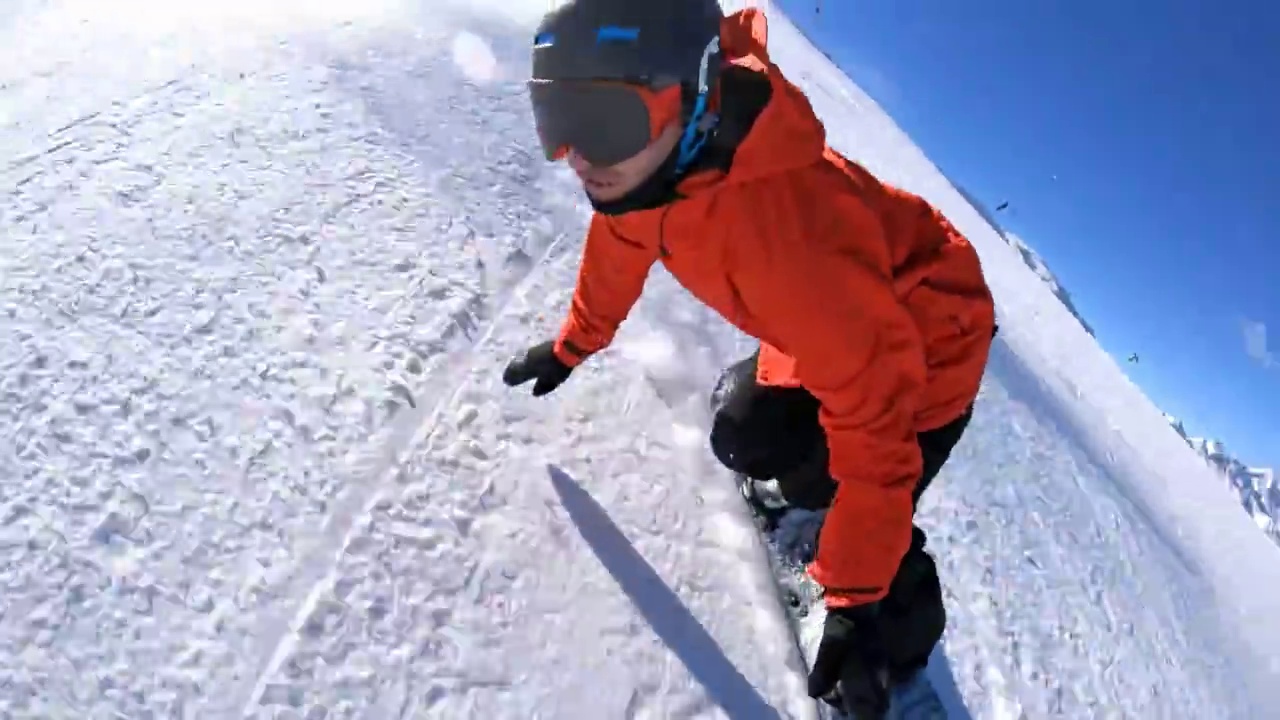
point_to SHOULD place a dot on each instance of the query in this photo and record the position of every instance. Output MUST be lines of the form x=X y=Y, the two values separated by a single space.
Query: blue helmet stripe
x=613 y=32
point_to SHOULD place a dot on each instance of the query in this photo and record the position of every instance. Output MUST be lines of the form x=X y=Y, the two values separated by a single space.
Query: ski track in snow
x=257 y=288
x=210 y=364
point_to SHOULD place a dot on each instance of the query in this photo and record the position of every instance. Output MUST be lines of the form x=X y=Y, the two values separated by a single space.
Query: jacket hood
x=783 y=134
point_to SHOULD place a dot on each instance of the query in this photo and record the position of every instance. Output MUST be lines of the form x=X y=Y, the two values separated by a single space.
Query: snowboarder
x=871 y=309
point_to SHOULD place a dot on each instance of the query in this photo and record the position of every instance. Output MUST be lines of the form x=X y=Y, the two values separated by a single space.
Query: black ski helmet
x=654 y=43
x=650 y=42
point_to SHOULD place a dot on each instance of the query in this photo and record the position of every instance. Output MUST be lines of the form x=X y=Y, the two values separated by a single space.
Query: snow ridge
x=1256 y=487
x=1041 y=269
x=1029 y=256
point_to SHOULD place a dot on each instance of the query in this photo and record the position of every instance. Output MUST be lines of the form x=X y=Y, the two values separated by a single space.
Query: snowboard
x=791 y=540
x=791 y=536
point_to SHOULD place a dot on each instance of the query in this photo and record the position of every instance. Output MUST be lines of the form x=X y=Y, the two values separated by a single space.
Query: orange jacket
x=861 y=293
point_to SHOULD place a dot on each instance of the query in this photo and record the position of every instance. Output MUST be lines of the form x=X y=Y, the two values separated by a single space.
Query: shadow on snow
x=674 y=624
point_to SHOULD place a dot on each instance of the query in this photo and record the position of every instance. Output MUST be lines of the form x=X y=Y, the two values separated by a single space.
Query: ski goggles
x=603 y=121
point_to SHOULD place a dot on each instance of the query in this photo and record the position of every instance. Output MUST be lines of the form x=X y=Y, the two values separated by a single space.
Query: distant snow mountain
x=1257 y=487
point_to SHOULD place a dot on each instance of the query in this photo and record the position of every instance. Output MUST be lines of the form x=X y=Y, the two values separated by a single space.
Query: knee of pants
x=808 y=484
x=758 y=448
x=735 y=449
x=723 y=441
x=754 y=427
x=734 y=381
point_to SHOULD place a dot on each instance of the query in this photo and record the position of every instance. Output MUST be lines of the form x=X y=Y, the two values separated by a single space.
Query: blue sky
x=1138 y=144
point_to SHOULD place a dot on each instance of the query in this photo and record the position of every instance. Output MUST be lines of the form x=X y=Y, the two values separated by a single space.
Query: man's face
x=609 y=183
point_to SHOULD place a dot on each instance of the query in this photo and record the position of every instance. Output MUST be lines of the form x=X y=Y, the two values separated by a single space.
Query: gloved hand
x=539 y=363
x=850 y=672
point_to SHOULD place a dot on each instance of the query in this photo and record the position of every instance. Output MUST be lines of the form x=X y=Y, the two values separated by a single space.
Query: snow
x=1254 y=486
x=260 y=267
x=1032 y=259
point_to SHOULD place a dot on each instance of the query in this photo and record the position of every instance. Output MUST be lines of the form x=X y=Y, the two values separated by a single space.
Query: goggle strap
x=695 y=137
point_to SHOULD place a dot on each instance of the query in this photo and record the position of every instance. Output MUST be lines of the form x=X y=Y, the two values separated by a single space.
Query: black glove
x=850 y=672
x=539 y=363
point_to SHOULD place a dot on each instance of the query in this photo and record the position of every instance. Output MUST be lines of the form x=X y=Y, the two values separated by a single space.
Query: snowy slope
x=1255 y=486
x=259 y=275
x=262 y=264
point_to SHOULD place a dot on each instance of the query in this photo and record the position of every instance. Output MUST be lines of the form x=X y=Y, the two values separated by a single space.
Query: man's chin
x=609 y=196
x=603 y=194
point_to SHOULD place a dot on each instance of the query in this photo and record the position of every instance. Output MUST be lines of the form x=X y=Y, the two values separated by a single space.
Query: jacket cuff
x=568 y=353
x=845 y=597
